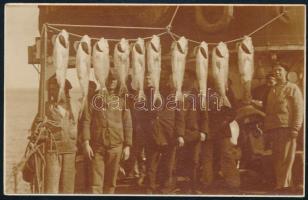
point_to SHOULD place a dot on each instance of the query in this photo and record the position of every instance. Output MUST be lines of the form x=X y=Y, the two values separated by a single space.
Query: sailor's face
x=279 y=73
x=113 y=84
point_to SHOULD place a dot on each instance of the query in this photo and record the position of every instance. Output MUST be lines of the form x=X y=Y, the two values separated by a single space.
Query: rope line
x=109 y=39
x=111 y=27
x=173 y=16
x=172 y=36
x=167 y=30
x=267 y=23
x=240 y=38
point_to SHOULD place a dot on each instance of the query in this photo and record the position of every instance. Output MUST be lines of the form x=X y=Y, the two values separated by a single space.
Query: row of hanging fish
x=150 y=53
x=220 y=69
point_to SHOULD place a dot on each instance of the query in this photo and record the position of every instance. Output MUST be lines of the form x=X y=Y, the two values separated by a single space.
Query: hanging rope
x=111 y=27
x=172 y=36
x=109 y=39
x=190 y=40
x=267 y=23
x=173 y=16
x=236 y=39
x=167 y=30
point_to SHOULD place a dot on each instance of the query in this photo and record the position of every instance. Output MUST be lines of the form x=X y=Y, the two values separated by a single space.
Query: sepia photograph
x=154 y=99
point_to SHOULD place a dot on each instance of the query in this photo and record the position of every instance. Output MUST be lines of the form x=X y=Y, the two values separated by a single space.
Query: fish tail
x=82 y=106
x=226 y=102
x=104 y=91
x=123 y=89
x=203 y=101
x=178 y=95
x=141 y=95
x=247 y=92
x=157 y=96
x=61 y=95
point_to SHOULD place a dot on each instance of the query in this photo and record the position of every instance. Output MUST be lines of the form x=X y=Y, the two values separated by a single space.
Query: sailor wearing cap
x=284 y=118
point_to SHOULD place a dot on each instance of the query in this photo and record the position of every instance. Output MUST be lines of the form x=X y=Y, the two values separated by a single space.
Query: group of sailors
x=178 y=138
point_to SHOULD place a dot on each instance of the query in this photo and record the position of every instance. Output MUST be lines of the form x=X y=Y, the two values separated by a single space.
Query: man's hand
x=180 y=141
x=126 y=152
x=88 y=150
x=257 y=103
x=202 y=137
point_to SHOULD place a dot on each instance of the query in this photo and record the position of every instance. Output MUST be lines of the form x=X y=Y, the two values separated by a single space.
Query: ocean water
x=20 y=109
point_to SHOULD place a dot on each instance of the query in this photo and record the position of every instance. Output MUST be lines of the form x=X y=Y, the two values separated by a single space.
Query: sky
x=21 y=28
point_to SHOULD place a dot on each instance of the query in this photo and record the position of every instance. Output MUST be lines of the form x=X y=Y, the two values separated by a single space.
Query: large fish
x=202 y=62
x=220 y=70
x=83 y=65
x=101 y=62
x=246 y=66
x=154 y=65
x=138 y=66
x=60 y=60
x=179 y=51
x=121 y=62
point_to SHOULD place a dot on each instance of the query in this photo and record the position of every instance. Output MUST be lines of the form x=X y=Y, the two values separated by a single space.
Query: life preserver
x=277 y=10
x=292 y=77
x=221 y=23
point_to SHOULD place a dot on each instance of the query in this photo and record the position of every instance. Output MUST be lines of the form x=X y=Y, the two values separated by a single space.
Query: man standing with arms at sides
x=164 y=130
x=219 y=154
x=83 y=167
x=196 y=128
x=107 y=136
x=284 y=117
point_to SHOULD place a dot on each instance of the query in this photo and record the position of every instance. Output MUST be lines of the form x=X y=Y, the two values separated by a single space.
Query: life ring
x=292 y=77
x=277 y=10
x=221 y=23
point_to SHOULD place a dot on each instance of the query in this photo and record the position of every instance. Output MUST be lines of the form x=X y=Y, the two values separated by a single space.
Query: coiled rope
x=32 y=148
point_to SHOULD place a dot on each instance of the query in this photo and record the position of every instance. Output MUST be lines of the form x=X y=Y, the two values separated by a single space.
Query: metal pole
x=43 y=59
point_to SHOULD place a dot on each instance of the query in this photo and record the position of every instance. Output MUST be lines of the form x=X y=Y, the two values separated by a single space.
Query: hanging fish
x=154 y=65
x=121 y=63
x=179 y=51
x=246 y=66
x=60 y=59
x=101 y=62
x=202 y=62
x=138 y=66
x=83 y=65
x=220 y=70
